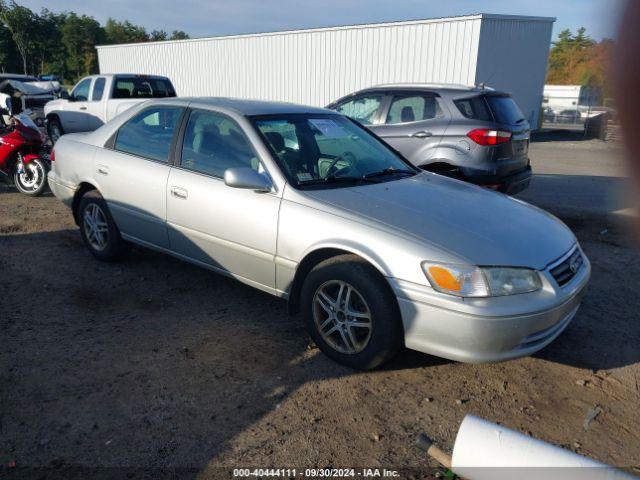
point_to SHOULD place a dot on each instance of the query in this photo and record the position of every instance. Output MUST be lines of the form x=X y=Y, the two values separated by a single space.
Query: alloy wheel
x=342 y=317
x=96 y=229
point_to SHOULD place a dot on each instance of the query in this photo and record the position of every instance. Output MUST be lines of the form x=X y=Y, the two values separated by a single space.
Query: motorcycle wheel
x=33 y=179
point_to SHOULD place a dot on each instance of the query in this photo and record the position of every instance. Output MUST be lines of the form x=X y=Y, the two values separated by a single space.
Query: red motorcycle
x=24 y=159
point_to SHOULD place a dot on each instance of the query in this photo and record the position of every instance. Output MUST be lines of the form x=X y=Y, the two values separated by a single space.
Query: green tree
x=571 y=59
x=158 y=36
x=20 y=22
x=124 y=32
x=5 y=45
x=48 y=49
x=62 y=43
x=179 y=35
x=80 y=35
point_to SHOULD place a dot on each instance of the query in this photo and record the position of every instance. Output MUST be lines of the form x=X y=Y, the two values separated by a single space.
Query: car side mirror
x=64 y=95
x=247 y=178
x=70 y=98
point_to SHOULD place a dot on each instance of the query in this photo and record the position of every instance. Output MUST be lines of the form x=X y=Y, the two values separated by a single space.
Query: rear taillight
x=486 y=136
x=52 y=155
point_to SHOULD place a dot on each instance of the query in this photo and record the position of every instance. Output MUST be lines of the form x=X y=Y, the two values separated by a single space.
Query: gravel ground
x=153 y=363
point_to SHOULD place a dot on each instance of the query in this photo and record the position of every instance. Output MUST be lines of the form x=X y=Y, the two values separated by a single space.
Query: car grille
x=564 y=271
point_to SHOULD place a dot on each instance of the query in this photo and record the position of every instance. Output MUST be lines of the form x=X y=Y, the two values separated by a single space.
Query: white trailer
x=562 y=97
x=319 y=65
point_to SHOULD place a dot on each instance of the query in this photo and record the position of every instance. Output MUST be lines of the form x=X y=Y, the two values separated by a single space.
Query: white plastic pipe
x=484 y=450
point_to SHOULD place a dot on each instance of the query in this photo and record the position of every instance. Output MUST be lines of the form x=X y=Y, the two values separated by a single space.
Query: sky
x=206 y=18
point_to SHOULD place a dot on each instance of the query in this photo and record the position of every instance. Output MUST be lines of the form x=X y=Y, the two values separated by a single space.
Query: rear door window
x=413 y=108
x=362 y=109
x=149 y=133
x=475 y=108
x=142 y=87
x=505 y=109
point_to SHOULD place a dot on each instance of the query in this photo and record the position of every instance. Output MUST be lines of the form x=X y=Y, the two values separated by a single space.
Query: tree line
x=577 y=59
x=62 y=44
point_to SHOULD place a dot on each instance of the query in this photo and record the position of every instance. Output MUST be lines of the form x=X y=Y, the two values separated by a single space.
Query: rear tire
x=32 y=181
x=98 y=230
x=54 y=130
x=351 y=313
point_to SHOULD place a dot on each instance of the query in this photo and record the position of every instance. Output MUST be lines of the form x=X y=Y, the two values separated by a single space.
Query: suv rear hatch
x=504 y=128
x=512 y=156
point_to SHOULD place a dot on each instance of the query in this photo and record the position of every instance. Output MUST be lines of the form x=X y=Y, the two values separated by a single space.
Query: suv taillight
x=486 y=136
x=52 y=155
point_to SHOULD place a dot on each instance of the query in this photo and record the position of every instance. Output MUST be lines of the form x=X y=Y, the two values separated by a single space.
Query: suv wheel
x=351 y=313
x=98 y=230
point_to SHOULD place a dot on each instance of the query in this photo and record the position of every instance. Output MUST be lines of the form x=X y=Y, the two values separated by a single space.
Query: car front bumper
x=490 y=329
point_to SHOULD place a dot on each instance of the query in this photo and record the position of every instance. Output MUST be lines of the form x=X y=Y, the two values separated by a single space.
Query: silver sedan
x=307 y=205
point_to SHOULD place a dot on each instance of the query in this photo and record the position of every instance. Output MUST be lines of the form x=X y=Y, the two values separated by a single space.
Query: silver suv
x=471 y=133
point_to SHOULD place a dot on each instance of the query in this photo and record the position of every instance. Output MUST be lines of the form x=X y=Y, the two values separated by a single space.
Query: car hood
x=481 y=227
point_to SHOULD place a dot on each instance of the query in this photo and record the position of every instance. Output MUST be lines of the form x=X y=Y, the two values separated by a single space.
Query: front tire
x=98 y=230
x=31 y=179
x=54 y=130
x=351 y=312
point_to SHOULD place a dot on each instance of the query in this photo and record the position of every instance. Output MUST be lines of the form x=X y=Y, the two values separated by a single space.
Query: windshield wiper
x=389 y=171
x=332 y=179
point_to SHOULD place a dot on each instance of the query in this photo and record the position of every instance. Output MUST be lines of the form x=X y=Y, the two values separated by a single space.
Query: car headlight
x=511 y=281
x=471 y=281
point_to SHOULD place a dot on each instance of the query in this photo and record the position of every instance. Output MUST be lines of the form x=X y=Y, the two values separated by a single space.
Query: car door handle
x=103 y=169
x=179 y=193
x=83 y=108
x=422 y=134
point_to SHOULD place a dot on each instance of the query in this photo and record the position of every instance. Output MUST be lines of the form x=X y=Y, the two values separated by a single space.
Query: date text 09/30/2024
x=315 y=473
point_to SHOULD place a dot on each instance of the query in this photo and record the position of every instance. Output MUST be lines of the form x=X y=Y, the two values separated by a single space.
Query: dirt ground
x=153 y=363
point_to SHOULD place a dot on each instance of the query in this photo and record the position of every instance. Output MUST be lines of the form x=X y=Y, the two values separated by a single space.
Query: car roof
x=249 y=107
x=125 y=75
x=442 y=88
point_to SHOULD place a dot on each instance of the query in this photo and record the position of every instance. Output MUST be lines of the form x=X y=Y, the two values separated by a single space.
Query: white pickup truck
x=98 y=98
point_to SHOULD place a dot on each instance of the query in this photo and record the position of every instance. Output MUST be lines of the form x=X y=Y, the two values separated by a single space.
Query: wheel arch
x=53 y=116
x=82 y=189
x=439 y=165
x=315 y=257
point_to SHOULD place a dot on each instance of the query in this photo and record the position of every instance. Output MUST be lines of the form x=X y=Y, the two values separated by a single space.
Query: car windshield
x=329 y=150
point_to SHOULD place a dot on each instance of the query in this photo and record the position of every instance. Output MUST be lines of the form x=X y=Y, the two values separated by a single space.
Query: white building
x=319 y=65
x=571 y=97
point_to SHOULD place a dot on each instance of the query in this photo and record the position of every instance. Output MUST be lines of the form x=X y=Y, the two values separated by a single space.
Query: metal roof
x=476 y=16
